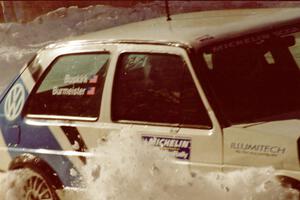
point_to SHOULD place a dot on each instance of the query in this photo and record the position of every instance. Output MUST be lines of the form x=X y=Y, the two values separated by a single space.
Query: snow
x=11 y=185
x=75 y=146
x=129 y=168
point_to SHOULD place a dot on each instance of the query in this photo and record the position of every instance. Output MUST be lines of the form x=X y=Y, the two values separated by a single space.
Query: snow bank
x=19 y=42
x=133 y=170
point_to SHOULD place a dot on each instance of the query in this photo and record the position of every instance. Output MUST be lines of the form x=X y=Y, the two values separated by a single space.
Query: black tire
x=36 y=187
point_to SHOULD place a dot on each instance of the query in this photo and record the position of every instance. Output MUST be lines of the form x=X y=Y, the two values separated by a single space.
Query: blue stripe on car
x=35 y=137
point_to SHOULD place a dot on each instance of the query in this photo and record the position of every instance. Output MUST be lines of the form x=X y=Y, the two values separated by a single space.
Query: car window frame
x=27 y=116
x=189 y=68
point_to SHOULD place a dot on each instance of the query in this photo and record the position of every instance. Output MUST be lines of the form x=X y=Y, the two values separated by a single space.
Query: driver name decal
x=79 y=90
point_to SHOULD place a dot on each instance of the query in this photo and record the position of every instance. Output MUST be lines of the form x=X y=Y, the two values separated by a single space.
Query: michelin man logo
x=14 y=102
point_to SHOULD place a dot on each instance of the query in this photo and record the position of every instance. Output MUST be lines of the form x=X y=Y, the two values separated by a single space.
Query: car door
x=62 y=115
x=155 y=90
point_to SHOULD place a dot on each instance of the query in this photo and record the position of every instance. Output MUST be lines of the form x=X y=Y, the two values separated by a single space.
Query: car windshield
x=258 y=81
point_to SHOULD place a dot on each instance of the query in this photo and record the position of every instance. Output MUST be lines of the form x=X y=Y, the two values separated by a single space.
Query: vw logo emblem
x=14 y=102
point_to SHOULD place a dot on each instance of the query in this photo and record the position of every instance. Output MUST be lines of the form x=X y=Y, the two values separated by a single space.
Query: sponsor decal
x=240 y=42
x=181 y=146
x=14 y=102
x=136 y=61
x=253 y=39
x=74 y=91
x=257 y=149
x=286 y=31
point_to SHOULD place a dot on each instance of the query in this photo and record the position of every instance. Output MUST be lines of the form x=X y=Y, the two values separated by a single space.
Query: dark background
x=25 y=11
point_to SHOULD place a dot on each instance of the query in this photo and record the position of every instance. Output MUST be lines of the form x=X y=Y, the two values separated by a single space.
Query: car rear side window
x=156 y=88
x=71 y=88
x=259 y=81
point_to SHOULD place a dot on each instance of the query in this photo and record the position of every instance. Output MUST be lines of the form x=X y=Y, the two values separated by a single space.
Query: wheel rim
x=36 y=188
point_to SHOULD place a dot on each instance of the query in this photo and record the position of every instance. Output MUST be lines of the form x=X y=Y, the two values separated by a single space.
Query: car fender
x=38 y=165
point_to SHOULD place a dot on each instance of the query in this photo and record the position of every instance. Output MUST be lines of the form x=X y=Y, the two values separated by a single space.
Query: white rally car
x=219 y=88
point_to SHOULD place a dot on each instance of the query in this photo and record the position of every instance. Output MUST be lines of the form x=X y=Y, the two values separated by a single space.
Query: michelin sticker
x=14 y=102
x=181 y=146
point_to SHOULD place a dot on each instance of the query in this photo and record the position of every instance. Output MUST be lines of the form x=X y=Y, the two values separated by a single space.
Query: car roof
x=194 y=29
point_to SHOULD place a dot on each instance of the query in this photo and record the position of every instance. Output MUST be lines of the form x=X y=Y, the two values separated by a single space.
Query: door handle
x=174 y=130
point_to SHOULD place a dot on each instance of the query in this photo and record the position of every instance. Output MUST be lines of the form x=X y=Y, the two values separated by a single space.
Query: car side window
x=258 y=81
x=156 y=88
x=71 y=88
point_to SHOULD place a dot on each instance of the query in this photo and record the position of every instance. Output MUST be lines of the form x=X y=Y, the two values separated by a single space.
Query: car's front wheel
x=37 y=188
